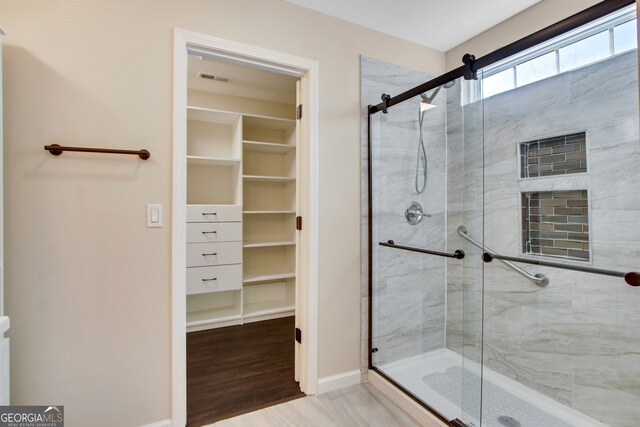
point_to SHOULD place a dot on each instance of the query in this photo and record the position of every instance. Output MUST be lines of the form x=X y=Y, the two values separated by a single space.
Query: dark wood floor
x=239 y=369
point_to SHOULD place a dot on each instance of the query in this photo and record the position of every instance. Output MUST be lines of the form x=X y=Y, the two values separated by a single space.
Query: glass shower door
x=561 y=189
x=425 y=315
x=465 y=293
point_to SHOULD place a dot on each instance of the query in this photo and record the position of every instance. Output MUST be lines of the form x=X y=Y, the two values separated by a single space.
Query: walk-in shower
x=515 y=302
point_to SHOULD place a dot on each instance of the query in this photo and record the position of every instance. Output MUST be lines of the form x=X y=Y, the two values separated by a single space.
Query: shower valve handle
x=414 y=213
x=418 y=213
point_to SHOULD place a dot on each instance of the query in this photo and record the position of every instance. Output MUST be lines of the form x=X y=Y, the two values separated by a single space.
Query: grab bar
x=539 y=279
x=632 y=278
x=458 y=254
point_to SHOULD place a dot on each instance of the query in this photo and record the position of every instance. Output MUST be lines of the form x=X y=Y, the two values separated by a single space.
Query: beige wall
x=530 y=20
x=88 y=286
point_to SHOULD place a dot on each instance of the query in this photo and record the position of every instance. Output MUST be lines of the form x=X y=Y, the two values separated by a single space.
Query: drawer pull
x=209 y=232
x=209 y=213
x=209 y=280
x=211 y=254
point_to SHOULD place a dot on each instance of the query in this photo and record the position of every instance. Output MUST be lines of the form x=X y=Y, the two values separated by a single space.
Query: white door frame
x=307 y=70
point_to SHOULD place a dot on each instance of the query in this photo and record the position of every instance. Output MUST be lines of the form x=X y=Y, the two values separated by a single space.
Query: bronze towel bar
x=458 y=254
x=632 y=277
x=56 y=150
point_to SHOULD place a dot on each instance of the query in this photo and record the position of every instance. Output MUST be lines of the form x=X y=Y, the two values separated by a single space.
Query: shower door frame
x=468 y=71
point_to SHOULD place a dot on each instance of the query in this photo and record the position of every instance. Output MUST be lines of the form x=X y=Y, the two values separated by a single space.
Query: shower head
x=427 y=101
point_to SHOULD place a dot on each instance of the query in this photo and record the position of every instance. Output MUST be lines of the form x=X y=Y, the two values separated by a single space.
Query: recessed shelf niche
x=556 y=224
x=561 y=155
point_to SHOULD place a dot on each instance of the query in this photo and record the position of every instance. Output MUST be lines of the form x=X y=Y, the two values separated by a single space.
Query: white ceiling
x=247 y=82
x=438 y=24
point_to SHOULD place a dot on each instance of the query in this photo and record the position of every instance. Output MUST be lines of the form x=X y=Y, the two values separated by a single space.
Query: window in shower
x=556 y=224
x=559 y=155
x=603 y=38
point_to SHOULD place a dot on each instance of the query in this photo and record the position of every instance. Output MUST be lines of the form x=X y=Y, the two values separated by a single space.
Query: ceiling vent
x=214 y=78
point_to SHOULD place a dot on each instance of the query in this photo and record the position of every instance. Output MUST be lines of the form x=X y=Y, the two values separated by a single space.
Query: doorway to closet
x=241 y=238
x=244 y=288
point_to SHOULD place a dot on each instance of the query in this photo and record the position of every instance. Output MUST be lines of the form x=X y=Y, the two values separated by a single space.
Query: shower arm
x=539 y=278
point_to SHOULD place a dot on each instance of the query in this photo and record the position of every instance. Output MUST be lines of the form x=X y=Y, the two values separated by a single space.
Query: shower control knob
x=414 y=213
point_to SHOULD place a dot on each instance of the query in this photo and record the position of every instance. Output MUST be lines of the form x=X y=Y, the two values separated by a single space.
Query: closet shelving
x=214 y=218
x=267 y=275
x=268 y=300
x=241 y=196
x=213 y=161
x=267 y=147
x=268 y=178
x=271 y=212
x=268 y=244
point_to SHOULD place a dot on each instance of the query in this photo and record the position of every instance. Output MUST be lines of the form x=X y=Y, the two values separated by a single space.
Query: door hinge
x=299 y=112
x=298 y=223
x=298 y=335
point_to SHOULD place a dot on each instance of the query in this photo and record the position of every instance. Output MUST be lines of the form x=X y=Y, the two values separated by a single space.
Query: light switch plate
x=154 y=215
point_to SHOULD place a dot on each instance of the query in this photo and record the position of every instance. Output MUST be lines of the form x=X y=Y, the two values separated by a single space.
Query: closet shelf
x=264 y=122
x=267 y=308
x=268 y=178
x=254 y=120
x=204 y=317
x=201 y=114
x=268 y=212
x=267 y=147
x=212 y=161
x=268 y=244
x=258 y=277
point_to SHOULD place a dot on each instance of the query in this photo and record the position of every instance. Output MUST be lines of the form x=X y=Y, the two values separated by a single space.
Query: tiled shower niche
x=556 y=223
x=559 y=155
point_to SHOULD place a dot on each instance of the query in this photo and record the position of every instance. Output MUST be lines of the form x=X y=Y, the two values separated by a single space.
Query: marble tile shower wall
x=409 y=299
x=576 y=340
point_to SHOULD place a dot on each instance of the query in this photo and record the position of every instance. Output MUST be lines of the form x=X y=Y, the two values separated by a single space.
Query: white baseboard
x=5 y=371
x=417 y=412
x=335 y=382
x=163 y=423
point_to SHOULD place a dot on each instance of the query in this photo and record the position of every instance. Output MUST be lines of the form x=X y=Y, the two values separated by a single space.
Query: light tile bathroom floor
x=358 y=405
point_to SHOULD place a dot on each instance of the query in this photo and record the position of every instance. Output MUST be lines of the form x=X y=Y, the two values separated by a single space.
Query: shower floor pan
x=439 y=377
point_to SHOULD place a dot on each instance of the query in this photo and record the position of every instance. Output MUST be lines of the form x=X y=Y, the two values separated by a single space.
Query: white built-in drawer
x=214 y=279
x=202 y=254
x=214 y=213
x=202 y=232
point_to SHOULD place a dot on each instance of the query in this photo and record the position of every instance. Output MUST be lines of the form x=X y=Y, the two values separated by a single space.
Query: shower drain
x=508 y=421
